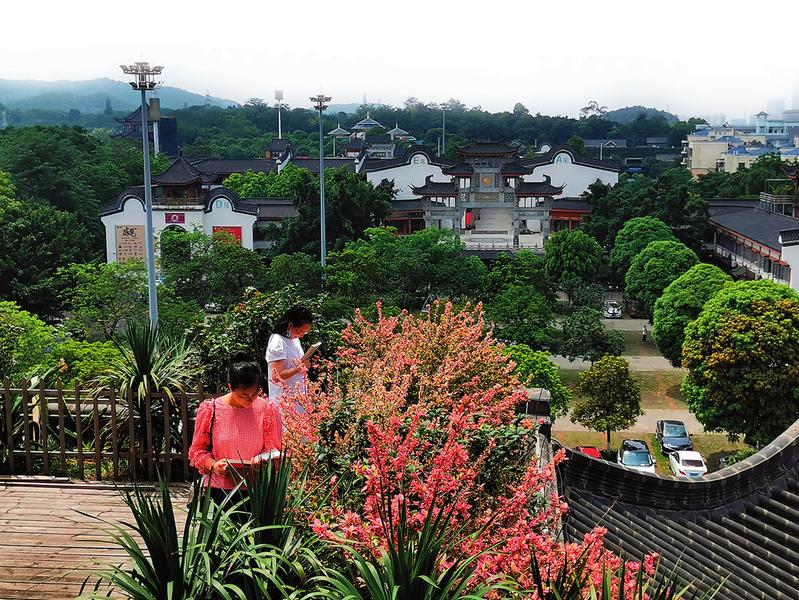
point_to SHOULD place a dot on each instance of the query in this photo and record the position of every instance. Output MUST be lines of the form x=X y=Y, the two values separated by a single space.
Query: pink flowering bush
x=417 y=415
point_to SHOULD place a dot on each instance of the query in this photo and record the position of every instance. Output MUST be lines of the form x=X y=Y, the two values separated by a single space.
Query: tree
x=681 y=303
x=300 y=270
x=593 y=109
x=37 y=239
x=742 y=353
x=25 y=341
x=654 y=268
x=584 y=336
x=535 y=369
x=578 y=144
x=209 y=270
x=524 y=268
x=522 y=315
x=572 y=259
x=634 y=237
x=608 y=397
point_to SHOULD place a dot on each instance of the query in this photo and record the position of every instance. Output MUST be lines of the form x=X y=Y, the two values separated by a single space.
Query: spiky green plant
x=168 y=565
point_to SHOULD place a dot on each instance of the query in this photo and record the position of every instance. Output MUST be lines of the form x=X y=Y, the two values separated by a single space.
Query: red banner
x=175 y=218
x=234 y=231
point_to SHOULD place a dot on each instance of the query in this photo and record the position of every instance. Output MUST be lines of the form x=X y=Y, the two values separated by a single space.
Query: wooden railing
x=94 y=434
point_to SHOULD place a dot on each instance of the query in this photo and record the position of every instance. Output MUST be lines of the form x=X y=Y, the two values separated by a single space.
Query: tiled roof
x=435 y=188
x=514 y=168
x=403 y=205
x=739 y=523
x=789 y=237
x=180 y=172
x=377 y=164
x=791 y=171
x=485 y=147
x=460 y=168
x=274 y=209
x=549 y=157
x=279 y=145
x=571 y=204
x=760 y=226
x=538 y=188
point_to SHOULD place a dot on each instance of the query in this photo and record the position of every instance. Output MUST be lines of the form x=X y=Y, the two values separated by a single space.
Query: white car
x=611 y=310
x=687 y=463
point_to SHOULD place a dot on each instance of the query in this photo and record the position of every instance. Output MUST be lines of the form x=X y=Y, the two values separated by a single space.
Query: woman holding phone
x=238 y=429
x=286 y=361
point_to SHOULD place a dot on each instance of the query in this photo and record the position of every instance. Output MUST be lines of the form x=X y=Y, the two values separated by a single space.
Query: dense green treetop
x=572 y=259
x=681 y=303
x=608 y=397
x=535 y=369
x=585 y=336
x=634 y=237
x=654 y=268
x=742 y=353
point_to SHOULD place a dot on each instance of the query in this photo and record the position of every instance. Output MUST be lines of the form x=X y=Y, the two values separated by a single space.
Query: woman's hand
x=220 y=467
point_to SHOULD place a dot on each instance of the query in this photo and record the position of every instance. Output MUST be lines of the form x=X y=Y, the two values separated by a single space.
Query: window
x=465 y=182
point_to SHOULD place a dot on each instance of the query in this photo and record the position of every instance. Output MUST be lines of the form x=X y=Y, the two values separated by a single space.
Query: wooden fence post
x=62 y=442
x=79 y=431
x=114 y=442
x=132 y=436
x=148 y=405
x=98 y=451
x=9 y=424
x=184 y=418
x=44 y=418
x=26 y=429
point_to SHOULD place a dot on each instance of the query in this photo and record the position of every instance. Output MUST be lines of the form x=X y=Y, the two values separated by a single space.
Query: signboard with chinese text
x=130 y=242
x=234 y=231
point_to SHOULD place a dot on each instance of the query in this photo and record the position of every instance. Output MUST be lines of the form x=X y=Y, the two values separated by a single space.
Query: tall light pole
x=320 y=103
x=444 y=109
x=279 y=98
x=144 y=81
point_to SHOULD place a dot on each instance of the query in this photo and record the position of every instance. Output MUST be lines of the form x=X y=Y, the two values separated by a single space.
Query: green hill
x=628 y=114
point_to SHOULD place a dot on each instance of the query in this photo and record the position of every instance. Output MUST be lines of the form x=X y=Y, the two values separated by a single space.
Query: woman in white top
x=284 y=354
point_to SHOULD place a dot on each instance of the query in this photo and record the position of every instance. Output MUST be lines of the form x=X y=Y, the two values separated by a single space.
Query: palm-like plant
x=171 y=566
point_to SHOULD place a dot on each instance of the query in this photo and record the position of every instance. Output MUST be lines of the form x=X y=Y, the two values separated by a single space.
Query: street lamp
x=144 y=81
x=444 y=109
x=320 y=103
x=279 y=98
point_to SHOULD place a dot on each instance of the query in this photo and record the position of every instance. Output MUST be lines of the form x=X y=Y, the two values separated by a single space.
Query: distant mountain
x=628 y=114
x=89 y=96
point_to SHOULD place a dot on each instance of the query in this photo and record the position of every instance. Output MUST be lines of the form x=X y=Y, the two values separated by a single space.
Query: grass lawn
x=711 y=447
x=659 y=389
x=634 y=347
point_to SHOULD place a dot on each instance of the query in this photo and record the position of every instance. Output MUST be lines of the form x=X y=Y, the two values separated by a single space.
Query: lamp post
x=279 y=98
x=320 y=103
x=144 y=74
x=444 y=109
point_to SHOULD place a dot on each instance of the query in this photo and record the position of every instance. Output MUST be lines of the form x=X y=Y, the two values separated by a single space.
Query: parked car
x=687 y=463
x=634 y=454
x=591 y=451
x=673 y=436
x=611 y=310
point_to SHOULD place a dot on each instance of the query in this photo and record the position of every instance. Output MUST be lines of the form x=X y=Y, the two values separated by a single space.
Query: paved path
x=637 y=363
x=627 y=324
x=644 y=424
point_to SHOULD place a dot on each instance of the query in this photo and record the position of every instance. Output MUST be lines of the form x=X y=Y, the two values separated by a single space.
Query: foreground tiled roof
x=740 y=524
x=539 y=188
x=758 y=225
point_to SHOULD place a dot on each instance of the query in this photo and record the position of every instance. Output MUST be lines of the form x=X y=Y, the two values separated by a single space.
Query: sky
x=694 y=57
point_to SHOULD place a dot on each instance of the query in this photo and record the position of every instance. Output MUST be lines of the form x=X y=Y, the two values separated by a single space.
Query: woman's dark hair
x=297 y=316
x=243 y=371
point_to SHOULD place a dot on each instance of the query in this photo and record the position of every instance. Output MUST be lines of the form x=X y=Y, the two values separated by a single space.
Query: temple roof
x=739 y=523
x=397 y=131
x=460 y=168
x=539 y=188
x=515 y=168
x=487 y=148
x=339 y=131
x=435 y=188
x=180 y=172
x=367 y=123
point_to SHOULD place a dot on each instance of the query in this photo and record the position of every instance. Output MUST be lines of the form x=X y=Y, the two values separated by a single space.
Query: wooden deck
x=47 y=548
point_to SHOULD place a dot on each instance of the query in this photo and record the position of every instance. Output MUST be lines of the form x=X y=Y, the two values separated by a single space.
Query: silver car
x=611 y=310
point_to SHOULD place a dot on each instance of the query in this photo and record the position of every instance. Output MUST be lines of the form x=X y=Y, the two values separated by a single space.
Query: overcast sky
x=691 y=57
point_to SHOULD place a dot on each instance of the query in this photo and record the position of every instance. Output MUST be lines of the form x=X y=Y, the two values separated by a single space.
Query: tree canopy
x=535 y=369
x=652 y=269
x=742 y=353
x=585 y=336
x=634 y=237
x=572 y=259
x=681 y=303
x=608 y=397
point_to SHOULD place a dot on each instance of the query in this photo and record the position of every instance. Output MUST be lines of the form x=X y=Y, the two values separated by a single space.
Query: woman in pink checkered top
x=241 y=425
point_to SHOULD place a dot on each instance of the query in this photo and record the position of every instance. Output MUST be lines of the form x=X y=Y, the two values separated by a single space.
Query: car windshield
x=636 y=459
x=611 y=305
x=692 y=462
x=671 y=430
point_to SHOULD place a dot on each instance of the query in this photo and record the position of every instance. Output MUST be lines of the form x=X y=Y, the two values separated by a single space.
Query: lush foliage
x=248 y=325
x=300 y=270
x=608 y=397
x=634 y=237
x=402 y=270
x=535 y=369
x=573 y=259
x=585 y=336
x=742 y=353
x=654 y=268
x=681 y=303
x=25 y=341
x=209 y=270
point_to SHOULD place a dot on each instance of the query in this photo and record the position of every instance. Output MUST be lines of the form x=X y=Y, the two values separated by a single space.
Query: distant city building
x=729 y=148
